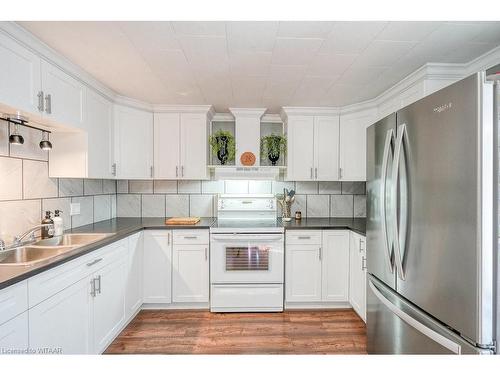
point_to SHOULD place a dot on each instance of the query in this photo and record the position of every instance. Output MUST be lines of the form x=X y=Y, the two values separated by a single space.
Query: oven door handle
x=246 y=238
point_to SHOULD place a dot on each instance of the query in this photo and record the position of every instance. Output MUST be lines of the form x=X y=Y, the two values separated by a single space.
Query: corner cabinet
x=157 y=266
x=133 y=143
x=181 y=145
x=313 y=143
x=357 y=274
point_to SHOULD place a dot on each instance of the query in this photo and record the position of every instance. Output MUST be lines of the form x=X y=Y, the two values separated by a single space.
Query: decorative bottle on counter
x=58 y=223
x=46 y=232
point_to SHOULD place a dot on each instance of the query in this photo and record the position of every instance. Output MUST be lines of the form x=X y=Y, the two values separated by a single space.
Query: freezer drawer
x=396 y=327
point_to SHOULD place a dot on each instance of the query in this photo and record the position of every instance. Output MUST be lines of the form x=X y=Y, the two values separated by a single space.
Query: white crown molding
x=308 y=111
x=133 y=103
x=164 y=108
x=248 y=112
x=223 y=117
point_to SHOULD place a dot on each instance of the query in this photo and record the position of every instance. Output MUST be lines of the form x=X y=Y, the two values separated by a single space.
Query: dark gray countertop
x=124 y=227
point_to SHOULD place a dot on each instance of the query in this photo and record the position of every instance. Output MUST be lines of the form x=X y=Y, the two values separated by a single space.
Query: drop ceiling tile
x=149 y=35
x=490 y=33
x=305 y=29
x=199 y=28
x=351 y=37
x=342 y=94
x=359 y=74
x=250 y=63
x=276 y=91
x=464 y=53
x=248 y=89
x=312 y=89
x=295 y=51
x=384 y=52
x=255 y=36
x=408 y=30
x=288 y=73
x=328 y=64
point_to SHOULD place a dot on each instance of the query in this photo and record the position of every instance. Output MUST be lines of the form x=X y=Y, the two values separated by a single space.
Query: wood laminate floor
x=202 y=332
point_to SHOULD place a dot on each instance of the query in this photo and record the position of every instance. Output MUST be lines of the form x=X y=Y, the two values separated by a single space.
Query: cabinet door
x=64 y=96
x=98 y=123
x=157 y=269
x=167 y=141
x=326 y=148
x=133 y=143
x=300 y=153
x=108 y=304
x=63 y=320
x=133 y=286
x=353 y=146
x=193 y=146
x=303 y=273
x=19 y=77
x=14 y=334
x=190 y=273
x=355 y=274
x=335 y=266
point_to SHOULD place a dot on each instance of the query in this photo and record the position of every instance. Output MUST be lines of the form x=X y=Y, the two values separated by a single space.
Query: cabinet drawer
x=303 y=237
x=247 y=297
x=48 y=283
x=13 y=301
x=187 y=237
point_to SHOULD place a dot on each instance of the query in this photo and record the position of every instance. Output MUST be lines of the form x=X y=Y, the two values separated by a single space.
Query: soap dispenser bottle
x=46 y=231
x=58 y=223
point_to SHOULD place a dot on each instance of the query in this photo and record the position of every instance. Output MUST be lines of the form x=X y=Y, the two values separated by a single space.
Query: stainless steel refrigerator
x=432 y=181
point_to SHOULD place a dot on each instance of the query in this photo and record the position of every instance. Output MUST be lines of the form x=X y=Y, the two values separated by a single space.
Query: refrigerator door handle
x=433 y=335
x=402 y=135
x=385 y=161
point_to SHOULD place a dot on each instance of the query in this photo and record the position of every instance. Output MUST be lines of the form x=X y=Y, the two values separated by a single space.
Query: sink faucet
x=31 y=233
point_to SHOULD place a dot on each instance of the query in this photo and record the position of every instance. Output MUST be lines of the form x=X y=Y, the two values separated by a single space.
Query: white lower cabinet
x=63 y=321
x=14 y=335
x=157 y=268
x=357 y=274
x=190 y=271
x=134 y=275
x=317 y=266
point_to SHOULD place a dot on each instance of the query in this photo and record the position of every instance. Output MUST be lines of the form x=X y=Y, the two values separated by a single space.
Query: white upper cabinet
x=63 y=96
x=167 y=145
x=181 y=146
x=313 y=143
x=19 y=77
x=133 y=147
x=326 y=148
x=353 y=145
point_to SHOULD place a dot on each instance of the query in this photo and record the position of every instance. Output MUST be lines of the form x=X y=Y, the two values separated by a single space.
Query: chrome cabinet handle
x=206 y=253
x=94 y=262
x=151 y=171
x=395 y=176
x=320 y=253
x=98 y=289
x=361 y=248
x=190 y=237
x=176 y=171
x=48 y=103
x=92 y=288
x=340 y=173
x=304 y=237
x=385 y=162
x=40 y=101
x=182 y=171
x=113 y=169
x=363 y=263
x=311 y=173
x=168 y=238
x=316 y=173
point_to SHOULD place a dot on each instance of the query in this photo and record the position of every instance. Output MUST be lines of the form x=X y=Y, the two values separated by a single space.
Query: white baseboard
x=316 y=305
x=176 y=306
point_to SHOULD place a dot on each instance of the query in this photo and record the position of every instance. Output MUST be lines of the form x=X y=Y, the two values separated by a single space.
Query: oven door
x=246 y=258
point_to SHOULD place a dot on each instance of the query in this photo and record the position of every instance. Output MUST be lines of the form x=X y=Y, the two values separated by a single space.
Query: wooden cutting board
x=182 y=220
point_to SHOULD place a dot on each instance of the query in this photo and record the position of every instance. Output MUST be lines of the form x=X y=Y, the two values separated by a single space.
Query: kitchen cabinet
x=63 y=320
x=14 y=334
x=88 y=153
x=134 y=275
x=20 y=78
x=63 y=96
x=335 y=266
x=133 y=143
x=313 y=143
x=181 y=146
x=317 y=266
x=13 y=301
x=352 y=145
x=357 y=274
x=190 y=271
x=157 y=268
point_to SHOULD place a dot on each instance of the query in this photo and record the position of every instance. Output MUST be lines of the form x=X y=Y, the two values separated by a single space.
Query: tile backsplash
x=26 y=191
x=197 y=198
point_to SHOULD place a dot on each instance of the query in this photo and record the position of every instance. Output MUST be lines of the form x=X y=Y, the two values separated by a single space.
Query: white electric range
x=246 y=255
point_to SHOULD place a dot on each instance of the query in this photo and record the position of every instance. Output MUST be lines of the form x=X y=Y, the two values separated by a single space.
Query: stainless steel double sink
x=46 y=249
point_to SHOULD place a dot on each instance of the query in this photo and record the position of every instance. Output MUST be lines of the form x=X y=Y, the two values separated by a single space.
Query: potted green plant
x=273 y=146
x=223 y=145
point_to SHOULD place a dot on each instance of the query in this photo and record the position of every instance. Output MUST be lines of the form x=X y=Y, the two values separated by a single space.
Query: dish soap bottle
x=58 y=223
x=46 y=231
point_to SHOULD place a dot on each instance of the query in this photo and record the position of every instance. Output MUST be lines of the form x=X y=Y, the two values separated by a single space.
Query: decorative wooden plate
x=247 y=158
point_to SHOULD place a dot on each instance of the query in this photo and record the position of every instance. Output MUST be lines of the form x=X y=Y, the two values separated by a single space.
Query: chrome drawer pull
x=304 y=237
x=190 y=237
x=94 y=262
